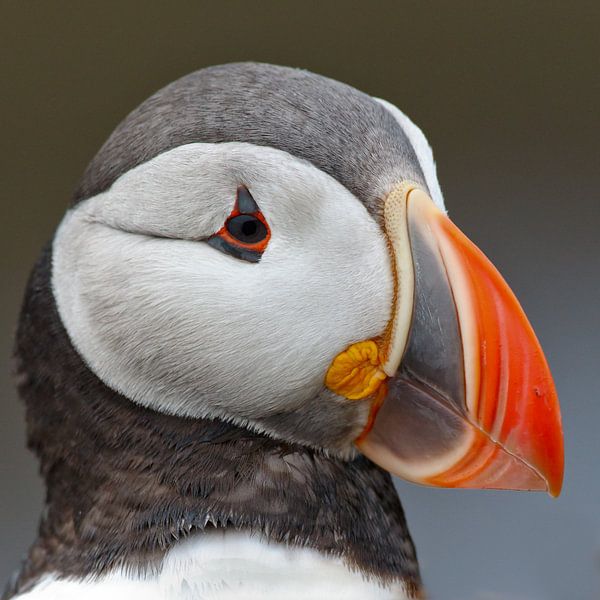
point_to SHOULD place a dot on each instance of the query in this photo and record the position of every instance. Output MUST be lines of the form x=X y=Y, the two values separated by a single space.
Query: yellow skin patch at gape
x=356 y=372
x=499 y=426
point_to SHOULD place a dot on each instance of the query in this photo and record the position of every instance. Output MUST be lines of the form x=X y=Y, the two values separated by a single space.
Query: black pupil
x=247 y=229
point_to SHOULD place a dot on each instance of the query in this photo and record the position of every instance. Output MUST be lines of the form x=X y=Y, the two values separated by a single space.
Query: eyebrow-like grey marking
x=338 y=129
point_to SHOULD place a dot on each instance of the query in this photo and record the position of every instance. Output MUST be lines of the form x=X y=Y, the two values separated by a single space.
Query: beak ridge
x=469 y=399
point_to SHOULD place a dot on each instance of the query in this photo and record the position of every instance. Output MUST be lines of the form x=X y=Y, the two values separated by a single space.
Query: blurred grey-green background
x=508 y=94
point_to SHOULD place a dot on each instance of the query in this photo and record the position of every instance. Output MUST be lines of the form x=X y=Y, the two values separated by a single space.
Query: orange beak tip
x=472 y=403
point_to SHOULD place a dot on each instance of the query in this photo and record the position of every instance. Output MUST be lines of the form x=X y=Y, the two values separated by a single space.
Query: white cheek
x=178 y=326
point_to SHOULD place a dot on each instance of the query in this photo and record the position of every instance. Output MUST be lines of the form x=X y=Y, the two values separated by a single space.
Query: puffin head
x=269 y=247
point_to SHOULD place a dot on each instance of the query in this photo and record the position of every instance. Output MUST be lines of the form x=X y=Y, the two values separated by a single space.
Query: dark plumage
x=124 y=483
x=310 y=116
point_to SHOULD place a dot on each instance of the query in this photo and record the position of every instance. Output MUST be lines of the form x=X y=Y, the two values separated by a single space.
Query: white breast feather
x=227 y=566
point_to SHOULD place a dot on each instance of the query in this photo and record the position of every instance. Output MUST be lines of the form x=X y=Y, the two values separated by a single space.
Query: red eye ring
x=227 y=232
x=246 y=233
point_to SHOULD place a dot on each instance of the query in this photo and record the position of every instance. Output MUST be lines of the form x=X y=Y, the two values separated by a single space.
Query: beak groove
x=469 y=400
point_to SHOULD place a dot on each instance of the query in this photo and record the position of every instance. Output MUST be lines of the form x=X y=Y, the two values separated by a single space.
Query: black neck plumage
x=125 y=483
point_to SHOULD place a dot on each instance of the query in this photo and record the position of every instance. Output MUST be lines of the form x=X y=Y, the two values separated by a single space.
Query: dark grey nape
x=125 y=483
x=338 y=129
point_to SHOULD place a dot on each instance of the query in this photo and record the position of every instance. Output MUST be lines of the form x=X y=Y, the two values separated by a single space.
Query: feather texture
x=228 y=566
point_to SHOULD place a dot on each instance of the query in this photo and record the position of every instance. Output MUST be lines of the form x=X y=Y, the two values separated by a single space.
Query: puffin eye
x=245 y=234
x=247 y=229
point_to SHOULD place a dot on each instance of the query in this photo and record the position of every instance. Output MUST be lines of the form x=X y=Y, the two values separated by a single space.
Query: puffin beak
x=461 y=394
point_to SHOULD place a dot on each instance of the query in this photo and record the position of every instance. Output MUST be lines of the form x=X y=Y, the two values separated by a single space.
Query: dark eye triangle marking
x=225 y=242
x=242 y=253
x=245 y=202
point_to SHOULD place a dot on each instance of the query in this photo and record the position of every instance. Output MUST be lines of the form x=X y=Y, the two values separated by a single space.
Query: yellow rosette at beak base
x=356 y=372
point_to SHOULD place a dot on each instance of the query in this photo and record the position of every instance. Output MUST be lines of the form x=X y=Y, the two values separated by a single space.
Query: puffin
x=254 y=312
